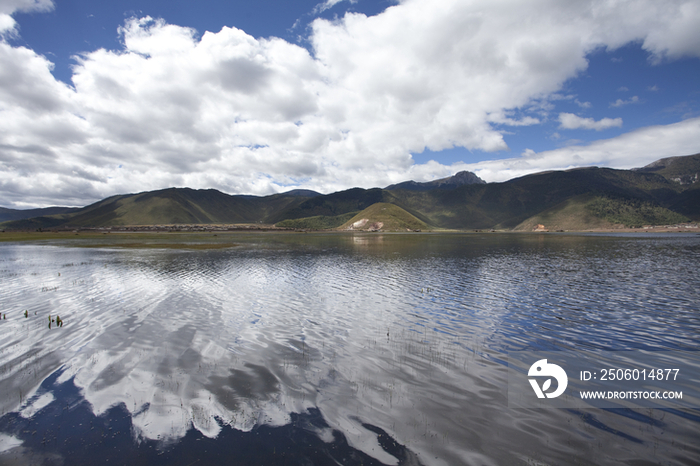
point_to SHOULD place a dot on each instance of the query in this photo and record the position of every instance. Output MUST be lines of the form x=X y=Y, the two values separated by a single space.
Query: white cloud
x=502 y=118
x=8 y=26
x=248 y=115
x=328 y=4
x=571 y=121
x=674 y=33
x=631 y=150
x=622 y=103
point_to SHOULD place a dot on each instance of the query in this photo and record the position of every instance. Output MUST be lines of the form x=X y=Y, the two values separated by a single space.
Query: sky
x=105 y=98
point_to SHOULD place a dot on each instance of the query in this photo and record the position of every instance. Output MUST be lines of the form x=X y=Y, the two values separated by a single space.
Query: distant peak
x=458 y=179
x=301 y=193
x=464 y=177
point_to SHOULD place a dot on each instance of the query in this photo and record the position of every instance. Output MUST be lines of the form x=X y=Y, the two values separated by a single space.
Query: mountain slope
x=459 y=179
x=682 y=170
x=317 y=222
x=14 y=214
x=506 y=205
x=384 y=216
x=589 y=211
x=165 y=206
x=663 y=192
x=172 y=206
x=342 y=202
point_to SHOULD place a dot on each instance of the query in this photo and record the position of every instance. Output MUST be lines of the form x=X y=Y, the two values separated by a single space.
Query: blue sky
x=103 y=98
x=82 y=25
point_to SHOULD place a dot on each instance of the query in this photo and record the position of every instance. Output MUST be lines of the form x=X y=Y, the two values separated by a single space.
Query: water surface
x=334 y=349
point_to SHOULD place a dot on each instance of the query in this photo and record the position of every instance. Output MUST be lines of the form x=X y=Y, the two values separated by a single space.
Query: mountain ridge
x=458 y=179
x=655 y=194
x=18 y=214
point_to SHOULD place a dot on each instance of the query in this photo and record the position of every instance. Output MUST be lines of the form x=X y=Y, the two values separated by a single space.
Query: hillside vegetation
x=665 y=192
x=319 y=222
x=7 y=215
x=682 y=170
x=386 y=217
x=173 y=206
x=591 y=212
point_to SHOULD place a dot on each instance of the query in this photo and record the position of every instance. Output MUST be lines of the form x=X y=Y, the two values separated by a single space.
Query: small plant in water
x=26 y=313
x=58 y=321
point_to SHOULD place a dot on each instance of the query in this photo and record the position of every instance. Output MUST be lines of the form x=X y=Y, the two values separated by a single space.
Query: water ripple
x=385 y=335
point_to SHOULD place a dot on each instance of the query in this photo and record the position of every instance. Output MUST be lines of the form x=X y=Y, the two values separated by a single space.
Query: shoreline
x=221 y=236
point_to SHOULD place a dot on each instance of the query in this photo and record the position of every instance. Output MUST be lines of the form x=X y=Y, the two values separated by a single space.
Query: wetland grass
x=126 y=240
x=58 y=321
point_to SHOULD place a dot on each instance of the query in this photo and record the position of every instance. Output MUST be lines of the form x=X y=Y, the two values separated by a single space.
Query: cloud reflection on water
x=395 y=332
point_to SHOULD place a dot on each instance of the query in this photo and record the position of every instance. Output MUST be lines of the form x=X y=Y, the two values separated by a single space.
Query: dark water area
x=335 y=349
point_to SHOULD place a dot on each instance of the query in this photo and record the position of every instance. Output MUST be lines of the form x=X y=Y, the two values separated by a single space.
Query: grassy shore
x=229 y=239
x=145 y=240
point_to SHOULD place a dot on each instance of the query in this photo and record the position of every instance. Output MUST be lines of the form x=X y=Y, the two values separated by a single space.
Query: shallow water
x=335 y=349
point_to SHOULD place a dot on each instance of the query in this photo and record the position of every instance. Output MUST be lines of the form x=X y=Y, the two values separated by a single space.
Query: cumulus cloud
x=571 y=121
x=246 y=115
x=8 y=26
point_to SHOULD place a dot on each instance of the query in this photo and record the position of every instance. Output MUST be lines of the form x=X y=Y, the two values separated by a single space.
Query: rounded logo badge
x=542 y=368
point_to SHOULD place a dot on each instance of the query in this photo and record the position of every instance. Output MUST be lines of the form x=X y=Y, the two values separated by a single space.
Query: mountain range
x=664 y=192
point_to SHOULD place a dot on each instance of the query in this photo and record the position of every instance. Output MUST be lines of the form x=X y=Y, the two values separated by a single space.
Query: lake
x=335 y=348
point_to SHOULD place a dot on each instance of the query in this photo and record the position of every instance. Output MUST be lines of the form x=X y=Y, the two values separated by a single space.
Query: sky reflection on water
x=362 y=339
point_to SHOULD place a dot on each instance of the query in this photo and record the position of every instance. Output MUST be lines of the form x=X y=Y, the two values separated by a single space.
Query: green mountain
x=384 y=216
x=342 y=202
x=590 y=211
x=16 y=214
x=588 y=198
x=682 y=170
x=665 y=192
x=173 y=206
x=506 y=205
x=459 y=179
